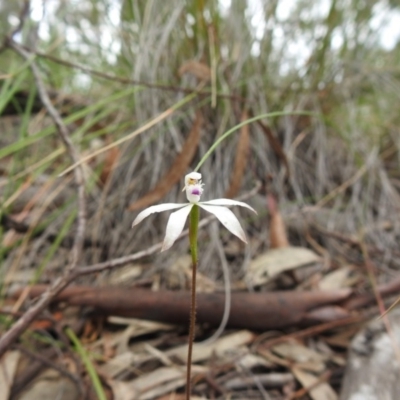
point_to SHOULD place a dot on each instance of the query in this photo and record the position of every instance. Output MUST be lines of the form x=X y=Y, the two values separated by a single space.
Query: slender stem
x=246 y=122
x=193 y=228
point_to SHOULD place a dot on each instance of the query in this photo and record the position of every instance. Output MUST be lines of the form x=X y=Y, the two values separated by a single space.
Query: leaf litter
x=143 y=359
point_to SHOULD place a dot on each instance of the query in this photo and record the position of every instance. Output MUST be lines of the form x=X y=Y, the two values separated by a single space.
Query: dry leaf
x=158 y=382
x=8 y=366
x=318 y=390
x=277 y=230
x=250 y=361
x=198 y=69
x=119 y=364
x=269 y=380
x=180 y=396
x=242 y=153
x=204 y=351
x=270 y=264
x=120 y=390
x=137 y=327
x=296 y=352
x=126 y=275
x=344 y=276
x=177 y=170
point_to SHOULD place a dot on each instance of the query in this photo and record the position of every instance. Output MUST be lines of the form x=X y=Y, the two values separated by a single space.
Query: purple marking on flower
x=196 y=191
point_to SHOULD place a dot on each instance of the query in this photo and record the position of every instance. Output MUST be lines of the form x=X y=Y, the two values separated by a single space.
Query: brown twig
x=23 y=322
x=363 y=300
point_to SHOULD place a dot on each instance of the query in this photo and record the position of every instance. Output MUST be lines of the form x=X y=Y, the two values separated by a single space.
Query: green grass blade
x=27 y=141
x=88 y=364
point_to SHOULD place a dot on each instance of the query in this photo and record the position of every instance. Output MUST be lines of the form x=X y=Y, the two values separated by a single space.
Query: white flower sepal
x=194 y=190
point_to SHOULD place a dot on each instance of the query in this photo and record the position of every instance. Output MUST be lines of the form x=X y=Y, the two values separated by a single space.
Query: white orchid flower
x=194 y=190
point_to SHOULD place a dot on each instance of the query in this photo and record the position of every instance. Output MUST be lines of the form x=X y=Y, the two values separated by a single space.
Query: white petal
x=227 y=218
x=175 y=226
x=154 y=209
x=228 y=202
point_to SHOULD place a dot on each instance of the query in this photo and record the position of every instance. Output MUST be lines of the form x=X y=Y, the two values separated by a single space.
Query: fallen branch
x=257 y=311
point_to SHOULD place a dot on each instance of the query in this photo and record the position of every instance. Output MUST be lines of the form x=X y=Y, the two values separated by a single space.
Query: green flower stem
x=193 y=229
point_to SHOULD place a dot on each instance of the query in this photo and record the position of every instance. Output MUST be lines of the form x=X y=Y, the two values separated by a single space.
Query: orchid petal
x=228 y=202
x=227 y=218
x=155 y=209
x=175 y=226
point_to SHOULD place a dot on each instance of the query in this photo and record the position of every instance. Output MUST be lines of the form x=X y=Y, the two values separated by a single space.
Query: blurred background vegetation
x=111 y=66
